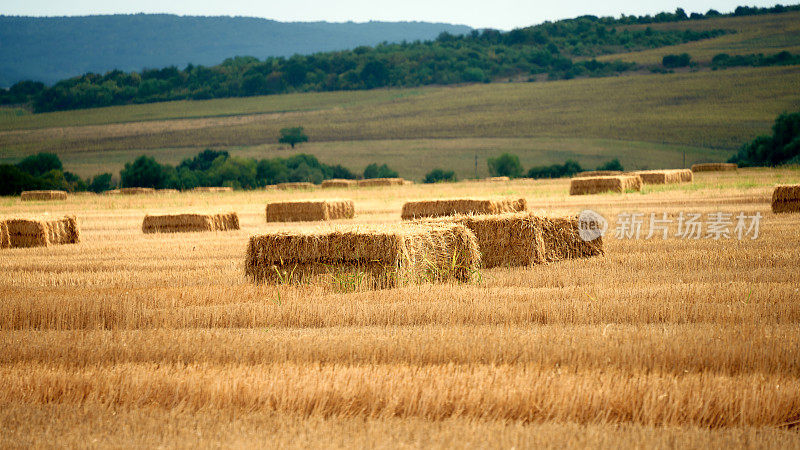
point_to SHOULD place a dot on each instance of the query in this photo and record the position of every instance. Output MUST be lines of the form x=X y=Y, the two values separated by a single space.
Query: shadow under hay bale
x=669 y=176
x=137 y=191
x=450 y=207
x=504 y=240
x=213 y=189
x=301 y=185
x=597 y=185
x=27 y=196
x=562 y=240
x=310 y=210
x=18 y=233
x=179 y=223
x=370 y=182
x=338 y=183
x=365 y=257
x=598 y=173
x=786 y=199
x=714 y=167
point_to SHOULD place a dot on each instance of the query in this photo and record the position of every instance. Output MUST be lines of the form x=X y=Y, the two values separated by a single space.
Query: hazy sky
x=502 y=14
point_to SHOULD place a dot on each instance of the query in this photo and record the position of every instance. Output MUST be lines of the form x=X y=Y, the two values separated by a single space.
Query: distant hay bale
x=504 y=240
x=786 y=198
x=714 y=167
x=596 y=185
x=178 y=223
x=598 y=173
x=338 y=183
x=310 y=210
x=213 y=189
x=167 y=191
x=301 y=185
x=376 y=257
x=498 y=179
x=408 y=182
x=39 y=233
x=669 y=176
x=370 y=182
x=112 y=192
x=562 y=240
x=137 y=191
x=27 y=196
x=450 y=207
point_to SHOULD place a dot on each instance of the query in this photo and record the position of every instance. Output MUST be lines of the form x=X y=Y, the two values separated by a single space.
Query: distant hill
x=49 y=49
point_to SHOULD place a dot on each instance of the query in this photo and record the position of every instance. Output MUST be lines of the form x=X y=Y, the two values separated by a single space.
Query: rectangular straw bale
x=310 y=210
x=714 y=167
x=301 y=185
x=384 y=257
x=596 y=185
x=562 y=239
x=370 y=182
x=338 y=183
x=450 y=207
x=598 y=173
x=786 y=198
x=213 y=189
x=39 y=233
x=42 y=195
x=167 y=191
x=498 y=179
x=112 y=192
x=137 y=190
x=504 y=240
x=177 y=223
x=664 y=176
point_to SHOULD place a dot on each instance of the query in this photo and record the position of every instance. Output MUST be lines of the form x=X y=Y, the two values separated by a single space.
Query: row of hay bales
x=613 y=181
x=17 y=233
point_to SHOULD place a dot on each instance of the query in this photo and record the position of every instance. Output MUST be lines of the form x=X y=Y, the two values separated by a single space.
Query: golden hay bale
x=408 y=182
x=39 y=233
x=451 y=207
x=301 y=185
x=498 y=179
x=714 y=167
x=598 y=173
x=370 y=182
x=562 y=240
x=167 y=191
x=112 y=192
x=374 y=257
x=595 y=185
x=338 y=183
x=137 y=191
x=213 y=189
x=177 y=223
x=310 y=210
x=42 y=195
x=669 y=176
x=786 y=198
x=504 y=240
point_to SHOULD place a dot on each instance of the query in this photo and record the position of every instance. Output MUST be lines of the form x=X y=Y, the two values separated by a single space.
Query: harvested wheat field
x=164 y=340
x=454 y=206
x=713 y=167
x=213 y=189
x=177 y=223
x=665 y=176
x=599 y=185
x=310 y=210
x=42 y=195
x=786 y=198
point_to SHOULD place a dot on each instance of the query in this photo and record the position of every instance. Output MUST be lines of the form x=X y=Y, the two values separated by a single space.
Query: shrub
x=780 y=148
x=440 y=175
x=375 y=171
x=505 y=165
x=40 y=164
x=614 y=164
x=673 y=61
x=569 y=168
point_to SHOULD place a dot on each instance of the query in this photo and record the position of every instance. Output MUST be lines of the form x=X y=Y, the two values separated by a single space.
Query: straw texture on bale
x=167 y=191
x=177 y=223
x=137 y=190
x=451 y=207
x=39 y=233
x=786 y=198
x=376 y=257
x=665 y=176
x=598 y=173
x=369 y=182
x=310 y=210
x=301 y=185
x=504 y=240
x=42 y=195
x=338 y=183
x=498 y=179
x=714 y=167
x=562 y=240
x=213 y=189
x=596 y=185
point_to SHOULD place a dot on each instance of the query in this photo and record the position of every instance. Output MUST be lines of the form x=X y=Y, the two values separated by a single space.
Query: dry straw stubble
x=39 y=233
x=451 y=207
x=597 y=185
x=310 y=210
x=714 y=167
x=786 y=198
x=176 y=223
x=42 y=195
x=373 y=257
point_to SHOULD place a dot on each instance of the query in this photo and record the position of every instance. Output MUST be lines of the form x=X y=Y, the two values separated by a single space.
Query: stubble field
x=132 y=339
